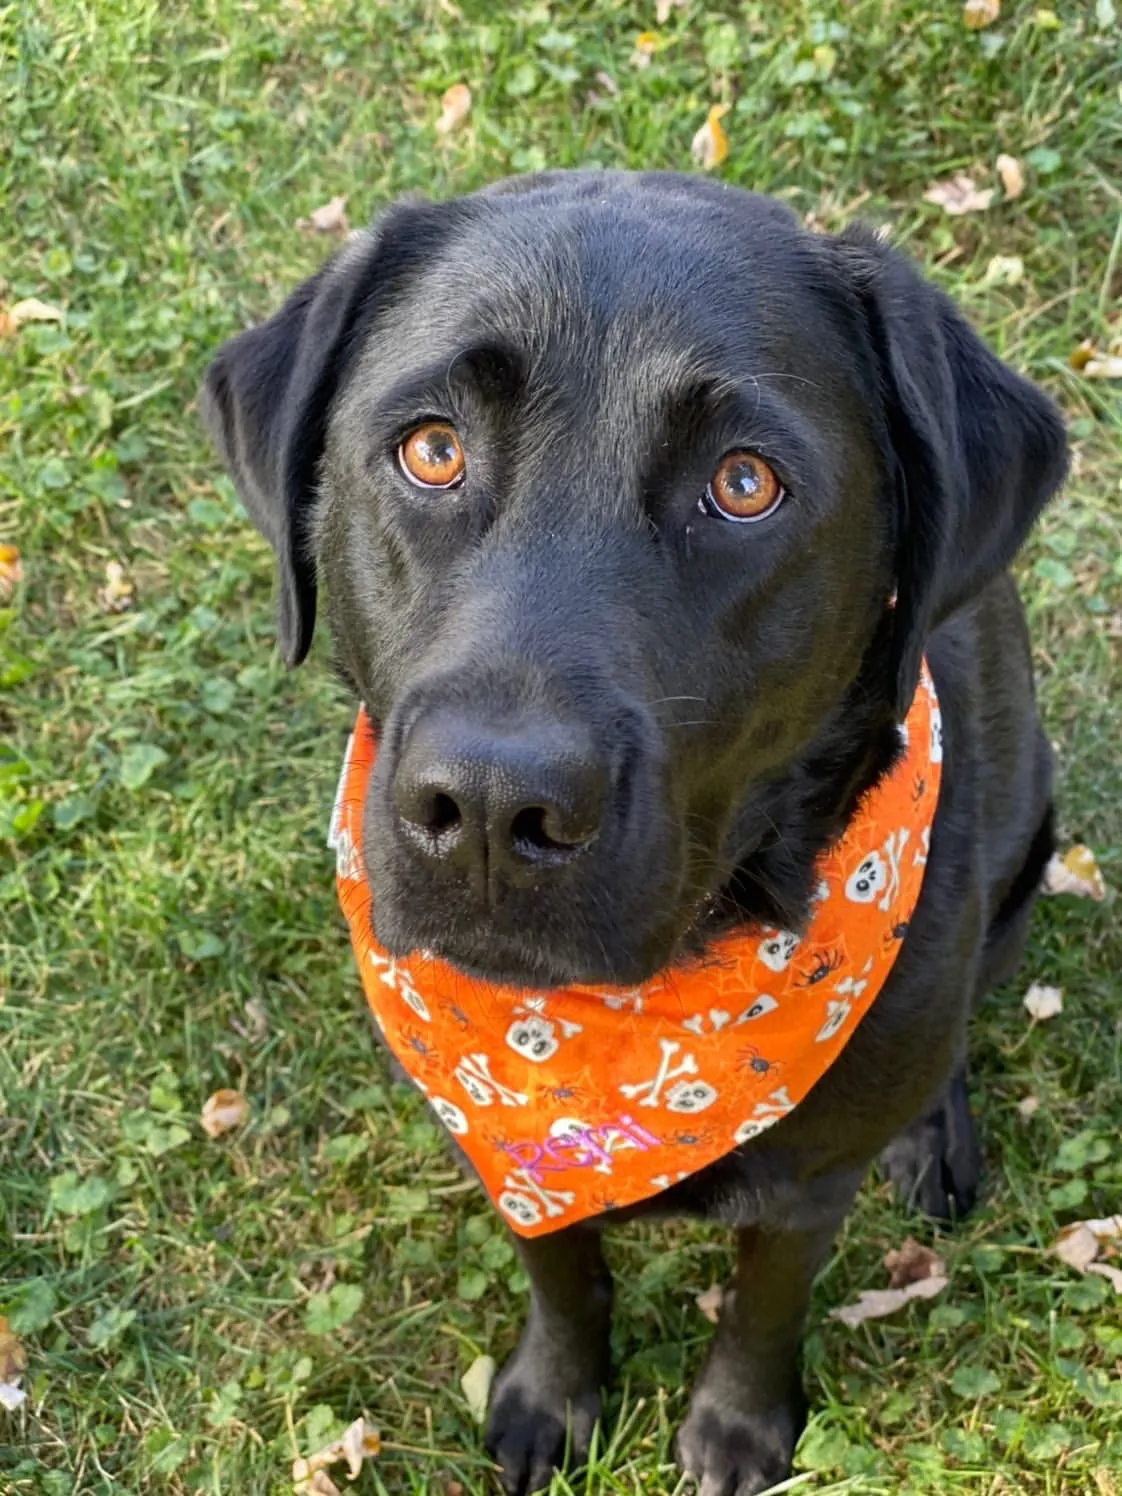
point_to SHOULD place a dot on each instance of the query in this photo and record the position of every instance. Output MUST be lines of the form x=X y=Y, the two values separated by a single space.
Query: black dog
x=649 y=720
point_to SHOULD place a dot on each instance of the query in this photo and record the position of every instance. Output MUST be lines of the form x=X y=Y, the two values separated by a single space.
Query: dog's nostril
x=444 y=814
x=545 y=828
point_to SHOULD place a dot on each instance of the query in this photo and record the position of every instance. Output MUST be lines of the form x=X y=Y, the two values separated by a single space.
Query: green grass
x=167 y=920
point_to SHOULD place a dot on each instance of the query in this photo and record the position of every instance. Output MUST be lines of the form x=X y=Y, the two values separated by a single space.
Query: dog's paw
x=936 y=1163
x=540 y=1415
x=732 y=1453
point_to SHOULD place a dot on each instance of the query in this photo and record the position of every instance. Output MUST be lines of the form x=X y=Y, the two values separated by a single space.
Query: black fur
x=599 y=341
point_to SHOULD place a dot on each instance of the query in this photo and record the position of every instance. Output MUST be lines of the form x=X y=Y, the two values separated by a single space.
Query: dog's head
x=610 y=480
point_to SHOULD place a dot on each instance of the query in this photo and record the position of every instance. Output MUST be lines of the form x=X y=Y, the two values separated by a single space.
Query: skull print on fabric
x=575 y=1101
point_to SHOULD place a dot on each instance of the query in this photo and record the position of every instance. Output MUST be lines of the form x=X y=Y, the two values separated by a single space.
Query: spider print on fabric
x=822 y=964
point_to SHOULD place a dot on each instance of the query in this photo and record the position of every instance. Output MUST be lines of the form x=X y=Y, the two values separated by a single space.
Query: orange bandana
x=572 y=1102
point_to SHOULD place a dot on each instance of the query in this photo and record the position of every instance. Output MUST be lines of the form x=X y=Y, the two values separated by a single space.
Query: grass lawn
x=195 y=1312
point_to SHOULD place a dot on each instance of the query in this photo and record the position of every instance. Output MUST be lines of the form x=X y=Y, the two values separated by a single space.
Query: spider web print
x=572 y=1101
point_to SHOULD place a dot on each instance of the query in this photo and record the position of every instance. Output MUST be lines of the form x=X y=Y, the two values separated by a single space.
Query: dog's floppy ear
x=976 y=449
x=267 y=396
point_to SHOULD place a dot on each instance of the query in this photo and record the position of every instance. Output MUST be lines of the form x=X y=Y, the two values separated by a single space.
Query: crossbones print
x=537 y=1007
x=679 y=1098
x=894 y=849
x=398 y=979
x=764 y=1115
x=474 y=1074
x=525 y=1199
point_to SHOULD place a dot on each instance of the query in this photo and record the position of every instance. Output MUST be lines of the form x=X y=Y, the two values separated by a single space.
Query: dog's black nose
x=518 y=799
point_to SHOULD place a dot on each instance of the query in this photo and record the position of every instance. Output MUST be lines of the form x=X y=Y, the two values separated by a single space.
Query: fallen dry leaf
x=911 y=1262
x=1080 y=1244
x=646 y=44
x=959 y=194
x=1028 y=1106
x=1076 y=872
x=258 y=1017
x=1103 y=366
x=13 y=1357
x=330 y=219
x=710 y=1302
x=1080 y=357
x=664 y=7
x=359 y=1442
x=476 y=1386
x=977 y=14
x=1044 y=1002
x=1012 y=175
x=1004 y=270
x=875 y=1303
x=1111 y=1274
x=117 y=596
x=31 y=310
x=321 y=1484
x=1077 y=1245
x=13 y=1363
x=710 y=146
x=223 y=1111
x=11 y=571
x=455 y=106
x=1106 y=1486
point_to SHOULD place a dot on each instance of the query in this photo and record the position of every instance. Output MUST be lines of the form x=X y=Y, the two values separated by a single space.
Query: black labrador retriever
x=490 y=426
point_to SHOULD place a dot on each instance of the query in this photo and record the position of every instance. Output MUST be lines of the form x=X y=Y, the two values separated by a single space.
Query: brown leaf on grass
x=710 y=1302
x=876 y=1303
x=13 y=1363
x=1076 y=872
x=1043 y=1002
x=455 y=106
x=710 y=146
x=359 y=1442
x=911 y=1262
x=32 y=309
x=977 y=14
x=258 y=1017
x=330 y=219
x=11 y=571
x=118 y=594
x=958 y=195
x=222 y=1112
x=1012 y=175
x=1081 y=1244
x=1080 y=357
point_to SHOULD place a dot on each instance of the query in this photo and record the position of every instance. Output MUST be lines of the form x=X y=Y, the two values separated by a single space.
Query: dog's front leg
x=748 y=1406
x=547 y=1396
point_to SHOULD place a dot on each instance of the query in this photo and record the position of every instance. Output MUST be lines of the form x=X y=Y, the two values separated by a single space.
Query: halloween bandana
x=574 y=1101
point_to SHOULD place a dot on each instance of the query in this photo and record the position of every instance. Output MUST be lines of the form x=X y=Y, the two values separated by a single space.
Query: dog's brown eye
x=432 y=456
x=743 y=488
